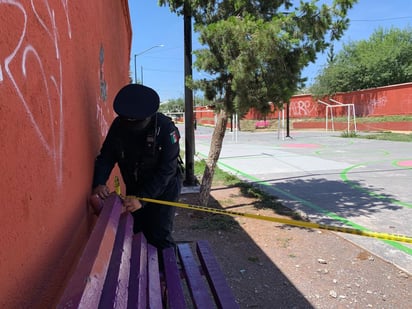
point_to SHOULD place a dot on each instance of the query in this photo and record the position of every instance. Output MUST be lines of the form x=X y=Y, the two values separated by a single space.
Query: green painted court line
x=331 y=215
x=344 y=177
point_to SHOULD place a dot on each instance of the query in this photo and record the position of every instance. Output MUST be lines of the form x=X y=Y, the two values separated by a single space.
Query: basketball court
x=351 y=182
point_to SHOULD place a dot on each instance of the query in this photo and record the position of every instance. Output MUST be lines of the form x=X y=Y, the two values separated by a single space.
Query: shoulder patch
x=174 y=137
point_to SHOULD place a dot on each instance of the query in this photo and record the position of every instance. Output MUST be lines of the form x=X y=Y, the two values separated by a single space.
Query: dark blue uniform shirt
x=147 y=159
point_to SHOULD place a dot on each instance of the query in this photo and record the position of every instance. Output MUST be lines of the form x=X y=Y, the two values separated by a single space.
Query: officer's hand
x=132 y=204
x=96 y=203
x=101 y=191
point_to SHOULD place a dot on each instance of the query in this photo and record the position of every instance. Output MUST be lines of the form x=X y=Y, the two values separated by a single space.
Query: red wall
x=383 y=101
x=61 y=63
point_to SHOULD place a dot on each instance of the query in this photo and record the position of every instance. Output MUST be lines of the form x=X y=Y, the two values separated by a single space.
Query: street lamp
x=141 y=53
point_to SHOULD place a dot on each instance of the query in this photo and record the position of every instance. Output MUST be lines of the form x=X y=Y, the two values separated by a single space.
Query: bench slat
x=155 y=293
x=120 y=270
x=114 y=293
x=175 y=296
x=197 y=285
x=220 y=289
x=138 y=273
x=85 y=286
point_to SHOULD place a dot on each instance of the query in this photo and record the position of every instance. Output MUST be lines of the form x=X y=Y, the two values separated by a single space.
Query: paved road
x=333 y=180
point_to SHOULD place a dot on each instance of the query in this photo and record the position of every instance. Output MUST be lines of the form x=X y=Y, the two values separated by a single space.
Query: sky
x=158 y=47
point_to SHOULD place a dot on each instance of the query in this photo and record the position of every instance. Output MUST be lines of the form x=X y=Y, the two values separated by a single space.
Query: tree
x=178 y=105
x=384 y=59
x=255 y=52
x=173 y=106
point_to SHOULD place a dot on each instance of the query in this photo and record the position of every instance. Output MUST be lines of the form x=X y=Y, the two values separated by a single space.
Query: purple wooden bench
x=119 y=269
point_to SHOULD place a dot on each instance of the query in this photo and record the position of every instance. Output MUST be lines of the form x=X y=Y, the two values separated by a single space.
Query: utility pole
x=189 y=123
x=138 y=54
x=288 y=120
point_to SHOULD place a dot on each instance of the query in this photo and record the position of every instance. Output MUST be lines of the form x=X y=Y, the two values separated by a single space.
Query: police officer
x=145 y=145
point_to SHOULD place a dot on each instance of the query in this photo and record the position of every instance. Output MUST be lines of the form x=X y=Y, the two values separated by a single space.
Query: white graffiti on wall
x=52 y=81
x=66 y=11
x=101 y=120
x=302 y=108
x=374 y=103
x=101 y=104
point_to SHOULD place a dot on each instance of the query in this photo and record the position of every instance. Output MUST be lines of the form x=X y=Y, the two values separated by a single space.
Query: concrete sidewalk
x=338 y=181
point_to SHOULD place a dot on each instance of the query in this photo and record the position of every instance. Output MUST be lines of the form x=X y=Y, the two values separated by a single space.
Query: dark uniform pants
x=156 y=220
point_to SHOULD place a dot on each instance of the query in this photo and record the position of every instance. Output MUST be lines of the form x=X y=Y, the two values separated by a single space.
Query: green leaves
x=256 y=50
x=384 y=59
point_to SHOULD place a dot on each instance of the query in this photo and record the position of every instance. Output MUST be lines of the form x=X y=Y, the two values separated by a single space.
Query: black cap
x=136 y=101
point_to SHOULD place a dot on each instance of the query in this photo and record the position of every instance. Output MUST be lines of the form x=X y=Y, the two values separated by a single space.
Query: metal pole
x=135 y=70
x=287 y=120
x=141 y=53
x=279 y=124
x=189 y=131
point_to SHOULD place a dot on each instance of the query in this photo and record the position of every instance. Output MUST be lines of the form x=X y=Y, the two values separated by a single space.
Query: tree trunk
x=214 y=153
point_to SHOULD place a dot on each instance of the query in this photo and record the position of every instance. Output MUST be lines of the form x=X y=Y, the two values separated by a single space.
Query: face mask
x=135 y=125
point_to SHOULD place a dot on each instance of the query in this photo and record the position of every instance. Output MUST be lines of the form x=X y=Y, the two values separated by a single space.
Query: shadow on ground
x=255 y=279
x=331 y=201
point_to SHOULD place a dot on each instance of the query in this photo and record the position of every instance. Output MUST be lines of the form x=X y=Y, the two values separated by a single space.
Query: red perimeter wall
x=382 y=101
x=61 y=64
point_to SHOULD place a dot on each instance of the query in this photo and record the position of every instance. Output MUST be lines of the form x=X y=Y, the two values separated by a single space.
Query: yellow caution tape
x=311 y=225
x=117 y=186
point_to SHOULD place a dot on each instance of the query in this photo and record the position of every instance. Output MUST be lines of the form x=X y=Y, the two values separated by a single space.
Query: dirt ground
x=270 y=265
